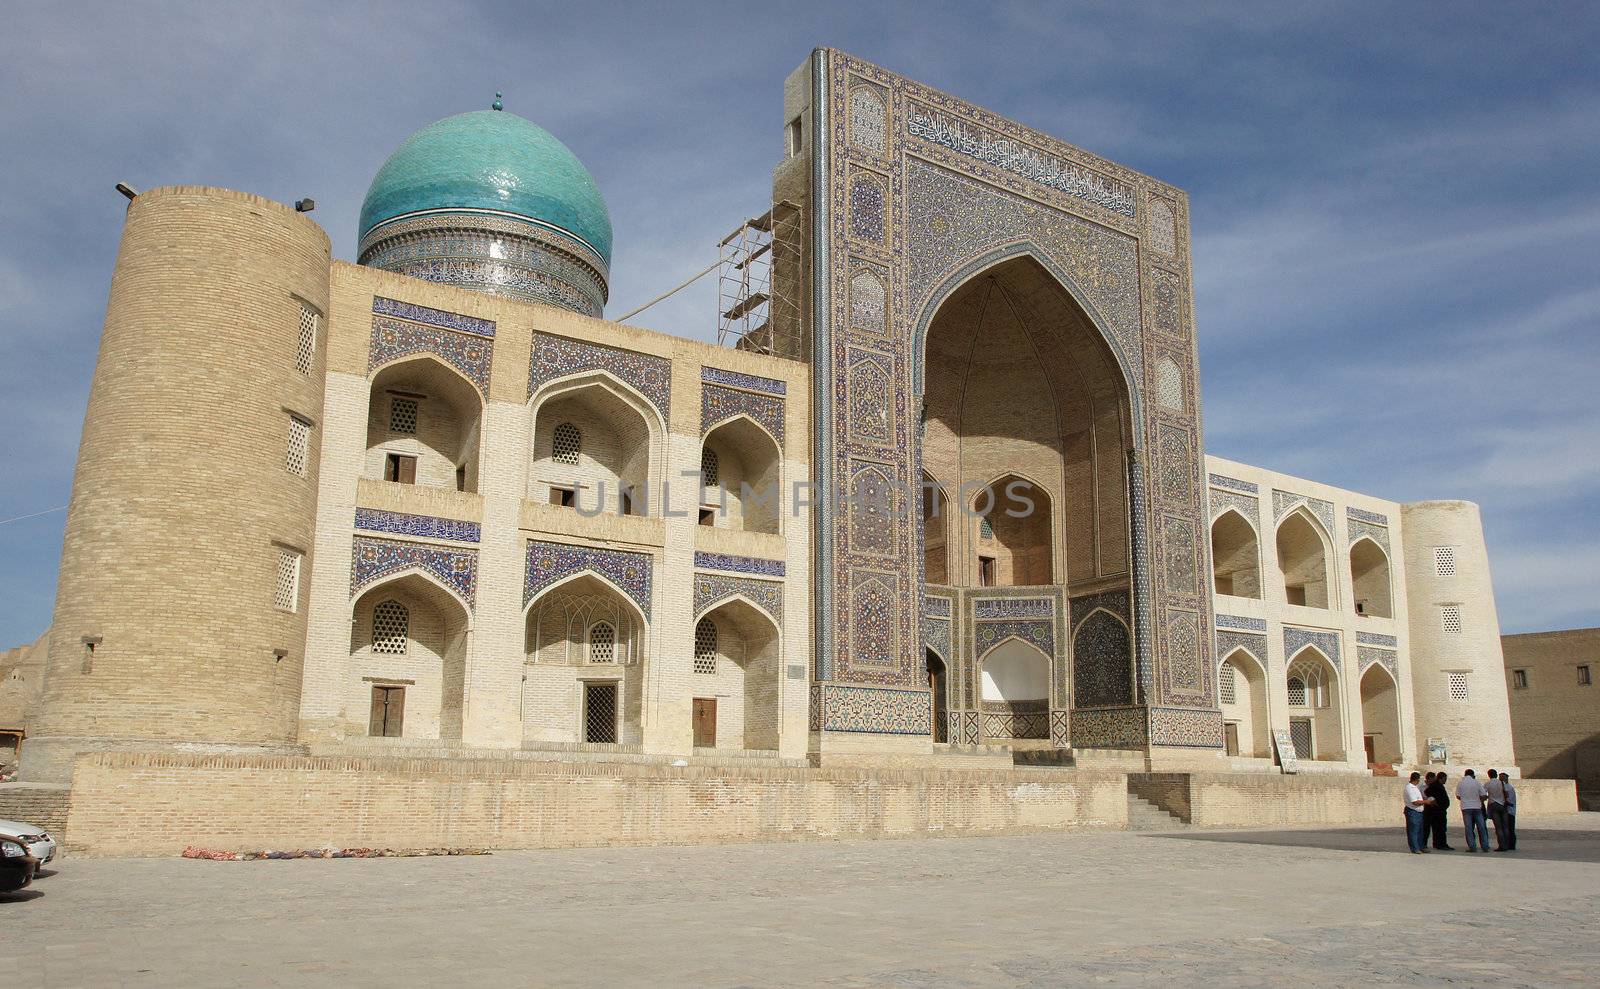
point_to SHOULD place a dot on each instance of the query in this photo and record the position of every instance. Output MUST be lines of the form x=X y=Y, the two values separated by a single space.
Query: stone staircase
x=1146 y=816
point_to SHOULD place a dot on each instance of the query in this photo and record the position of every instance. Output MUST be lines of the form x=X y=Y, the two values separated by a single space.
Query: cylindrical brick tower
x=180 y=610
x=1457 y=669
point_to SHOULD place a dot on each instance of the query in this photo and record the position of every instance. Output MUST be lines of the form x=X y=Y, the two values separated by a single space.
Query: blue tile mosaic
x=1253 y=643
x=432 y=317
x=1368 y=655
x=718 y=405
x=738 y=564
x=1362 y=515
x=986 y=635
x=712 y=589
x=936 y=607
x=1102 y=662
x=1009 y=607
x=1186 y=729
x=373 y=559
x=1239 y=621
x=1233 y=484
x=876 y=709
x=393 y=339
x=549 y=563
x=421 y=526
x=749 y=382
x=557 y=357
x=936 y=636
x=1296 y=639
x=1376 y=639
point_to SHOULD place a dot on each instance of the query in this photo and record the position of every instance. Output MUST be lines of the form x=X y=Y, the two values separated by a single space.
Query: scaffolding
x=759 y=284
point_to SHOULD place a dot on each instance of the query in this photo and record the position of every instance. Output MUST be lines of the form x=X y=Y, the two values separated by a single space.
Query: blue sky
x=1395 y=210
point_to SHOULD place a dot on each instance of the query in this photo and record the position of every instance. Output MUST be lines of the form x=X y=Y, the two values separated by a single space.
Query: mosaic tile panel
x=1060 y=729
x=1184 y=669
x=1296 y=638
x=1169 y=386
x=536 y=282
x=1108 y=728
x=1284 y=502
x=1233 y=484
x=874 y=522
x=1115 y=602
x=1377 y=533
x=1178 y=551
x=718 y=405
x=967 y=137
x=749 y=382
x=1174 y=464
x=936 y=607
x=432 y=317
x=869 y=218
x=711 y=590
x=936 y=636
x=1376 y=639
x=548 y=563
x=1362 y=515
x=870 y=396
x=393 y=339
x=1016 y=723
x=1161 y=226
x=876 y=709
x=868 y=310
x=873 y=628
x=557 y=357
x=421 y=526
x=1367 y=655
x=1185 y=729
x=869 y=125
x=738 y=564
x=1167 y=304
x=969 y=727
x=1245 y=505
x=1040 y=634
x=1102 y=662
x=1009 y=607
x=1240 y=621
x=1253 y=643
x=373 y=559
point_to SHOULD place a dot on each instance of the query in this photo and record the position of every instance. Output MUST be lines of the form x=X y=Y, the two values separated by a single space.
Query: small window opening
x=793 y=137
x=600 y=712
x=565 y=444
x=1519 y=679
x=1458 y=686
x=564 y=497
x=985 y=571
x=461 y=477
x=708 y=517
x=1583 y=677
x=1295 y=594
x=399 y=468
x=602 y=643
x=402 y=415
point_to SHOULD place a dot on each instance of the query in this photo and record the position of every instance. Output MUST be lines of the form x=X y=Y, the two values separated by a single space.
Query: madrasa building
x=432 y=509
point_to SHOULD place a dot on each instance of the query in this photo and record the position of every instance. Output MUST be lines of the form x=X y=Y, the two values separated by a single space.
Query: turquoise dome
x=490 y=160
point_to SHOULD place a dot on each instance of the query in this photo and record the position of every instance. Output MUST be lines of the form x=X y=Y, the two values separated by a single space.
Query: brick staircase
x=1146 y=816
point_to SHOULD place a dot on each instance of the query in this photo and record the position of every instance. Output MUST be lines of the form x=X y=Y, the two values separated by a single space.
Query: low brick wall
x=132 y=803
x=1233 y=800
x=34 y=803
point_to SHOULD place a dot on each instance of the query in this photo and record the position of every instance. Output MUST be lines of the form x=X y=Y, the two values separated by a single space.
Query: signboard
x=1438 y=752
x=1287 y=757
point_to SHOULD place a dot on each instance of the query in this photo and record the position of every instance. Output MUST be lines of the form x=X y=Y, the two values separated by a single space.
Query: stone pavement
x=1314 y=907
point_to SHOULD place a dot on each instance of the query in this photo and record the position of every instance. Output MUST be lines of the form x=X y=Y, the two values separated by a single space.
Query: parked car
x=17 y=864
x=38 y=840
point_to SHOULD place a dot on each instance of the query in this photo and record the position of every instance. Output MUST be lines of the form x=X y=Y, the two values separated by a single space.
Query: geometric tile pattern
x=556 y=357
x=394 y=338
x=372 y=559
x=1240 y=621
x=738 y=564
x=711 y=589
x=876 y=709
x=1251 y=642
x=1233 y=484
x=1284 y=501
x=1377 y=533
x=432 y=317
x=1041 y=634
x=1383 y=657
x=718 y=404
x=1013 y=608
x=738 y=379
x=551 y=562
x=1296 y=639
x=1362 y=515
x=1185 y=729
x=1376 y=639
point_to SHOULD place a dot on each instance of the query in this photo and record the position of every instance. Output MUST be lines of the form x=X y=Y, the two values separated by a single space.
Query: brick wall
x=155 y=804
x=1555 y=719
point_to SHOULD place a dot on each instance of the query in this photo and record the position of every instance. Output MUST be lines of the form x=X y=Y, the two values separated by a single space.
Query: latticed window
x=705 y=646
x=1297 y=692
x=298 y=453
x=402 y=415
x=286 y=588
x=305 y=351
x=1450 y=618
x=985 y=529
x=1444 y=561
x=602 y=643
x=1227 y=686
x=391 y=628
x=600 y=712
x=1519 y=679
x=1458 y=686
x=710 y=468
x=565 y=443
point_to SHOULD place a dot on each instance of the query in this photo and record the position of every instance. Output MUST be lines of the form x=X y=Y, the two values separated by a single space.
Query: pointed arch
x=748 y=649
x=440 y=444
x=1370 y=578
x=418 y=572
x=623 y=435
x=1102 y=660
x=1305 y=550
x=1380 y=714
x=577 y=575
x=1245 y=707
x=1317 y=706
x=934 y=507
x=976 y=268
x=747 y=494
x=744 y=599
x=426 y=679
x=1235 y=555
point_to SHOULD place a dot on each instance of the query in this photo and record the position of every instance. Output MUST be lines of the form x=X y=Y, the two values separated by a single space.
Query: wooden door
x=1230 y=733
x=705 y=722
x=1367 y=740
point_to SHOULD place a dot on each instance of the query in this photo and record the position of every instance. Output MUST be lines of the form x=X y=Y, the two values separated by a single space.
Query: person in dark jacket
x=1434 y=816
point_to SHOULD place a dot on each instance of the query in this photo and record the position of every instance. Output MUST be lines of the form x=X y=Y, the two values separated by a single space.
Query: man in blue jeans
x=1414 y=804
x=1470 y=795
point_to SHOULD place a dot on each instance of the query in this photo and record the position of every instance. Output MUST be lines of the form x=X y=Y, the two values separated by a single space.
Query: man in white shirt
x=1414 y=803
x=1469 y=793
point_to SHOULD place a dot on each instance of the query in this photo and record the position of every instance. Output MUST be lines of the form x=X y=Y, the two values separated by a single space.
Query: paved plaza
x=1321 y=907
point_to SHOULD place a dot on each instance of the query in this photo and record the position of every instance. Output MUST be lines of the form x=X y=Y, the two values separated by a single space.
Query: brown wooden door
x=1371 y=749
x=1230 y=737
x=705 y=722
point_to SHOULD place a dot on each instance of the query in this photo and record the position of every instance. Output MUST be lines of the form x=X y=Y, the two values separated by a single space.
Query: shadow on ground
x=1532 y=843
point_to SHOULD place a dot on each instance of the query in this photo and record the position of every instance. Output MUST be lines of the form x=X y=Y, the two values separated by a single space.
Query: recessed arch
x=424 y=424
x=1235 y=555
x=1102 y=660
x=1380 y=714
x=579 y=632
x=618 y=467
x=934 y=505
x=1370 y=580
x=744 y=599
x=423 y=684
x=747 y=677
x=1014 y=689
x=1316 y=710
x=1304 y=550
x=748 y=490
x=420 y=574
x=1243 y=698
x=597 y=576
x=1014 y=519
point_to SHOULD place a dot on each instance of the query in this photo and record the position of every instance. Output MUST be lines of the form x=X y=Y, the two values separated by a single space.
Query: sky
x=1395 y=209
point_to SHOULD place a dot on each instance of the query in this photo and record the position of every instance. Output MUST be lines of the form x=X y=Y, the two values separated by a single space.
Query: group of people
x=1426 y=801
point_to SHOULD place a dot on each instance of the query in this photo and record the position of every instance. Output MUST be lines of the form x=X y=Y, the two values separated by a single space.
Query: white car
x=40 y=845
